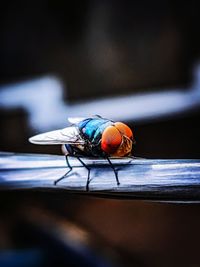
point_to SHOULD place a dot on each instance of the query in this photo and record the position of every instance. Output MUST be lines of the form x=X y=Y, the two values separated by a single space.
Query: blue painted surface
x=169 y=180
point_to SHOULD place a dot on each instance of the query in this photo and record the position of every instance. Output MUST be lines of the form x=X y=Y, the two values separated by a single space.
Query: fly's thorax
x=93 y=149
x=91 y=129
x=91 y=132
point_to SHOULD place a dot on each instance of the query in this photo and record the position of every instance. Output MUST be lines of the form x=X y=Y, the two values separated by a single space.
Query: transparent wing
x=69 y=135
x=75 y=120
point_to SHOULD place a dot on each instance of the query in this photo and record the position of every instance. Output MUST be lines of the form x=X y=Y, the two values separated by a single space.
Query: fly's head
x=117 y=140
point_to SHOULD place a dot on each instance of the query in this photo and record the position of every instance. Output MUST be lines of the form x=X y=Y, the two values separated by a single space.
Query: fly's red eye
x=124 y=129
x=111 y=139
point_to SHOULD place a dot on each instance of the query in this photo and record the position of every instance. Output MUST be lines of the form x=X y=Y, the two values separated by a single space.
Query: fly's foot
x=88 y=169
x=88 y=180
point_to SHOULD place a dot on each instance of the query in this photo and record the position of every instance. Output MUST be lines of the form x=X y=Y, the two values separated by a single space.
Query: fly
x=93 y=137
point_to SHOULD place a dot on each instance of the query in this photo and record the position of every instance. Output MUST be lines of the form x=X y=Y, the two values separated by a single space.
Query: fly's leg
x=116 y=173
x=88 y=178
x=131 y=158
x=65 y=175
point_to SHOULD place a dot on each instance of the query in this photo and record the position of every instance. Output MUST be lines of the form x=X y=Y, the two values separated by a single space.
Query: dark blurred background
x=100 y=49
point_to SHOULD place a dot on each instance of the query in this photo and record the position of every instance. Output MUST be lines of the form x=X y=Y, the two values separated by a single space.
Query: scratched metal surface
x=147 y=179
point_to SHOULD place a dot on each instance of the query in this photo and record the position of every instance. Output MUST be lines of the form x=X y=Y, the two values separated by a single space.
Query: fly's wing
x=69 y=135
x=76 y=120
